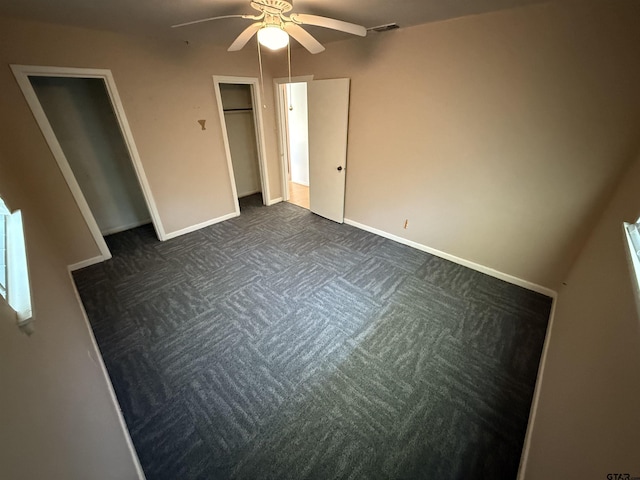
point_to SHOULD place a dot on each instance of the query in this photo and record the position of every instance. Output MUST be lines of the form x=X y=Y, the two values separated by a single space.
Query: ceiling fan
x=274 y=27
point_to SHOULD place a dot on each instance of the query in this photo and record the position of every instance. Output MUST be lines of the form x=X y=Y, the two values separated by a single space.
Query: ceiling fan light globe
x=273 y=38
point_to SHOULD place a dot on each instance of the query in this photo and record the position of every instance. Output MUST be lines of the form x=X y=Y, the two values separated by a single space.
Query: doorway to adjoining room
x=297 y=131
x=313 y=122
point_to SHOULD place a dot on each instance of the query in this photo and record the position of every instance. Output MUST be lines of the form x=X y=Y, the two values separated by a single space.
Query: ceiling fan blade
x=202 y=20
x=331 y=23
x=304 y=38
x=244 y=37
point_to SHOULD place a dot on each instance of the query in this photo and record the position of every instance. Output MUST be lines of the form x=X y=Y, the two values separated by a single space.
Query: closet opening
x=83 y=121
x=240 y=117
x=81 y=117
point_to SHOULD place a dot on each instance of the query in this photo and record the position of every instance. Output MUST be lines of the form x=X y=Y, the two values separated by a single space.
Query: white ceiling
x=154 y=17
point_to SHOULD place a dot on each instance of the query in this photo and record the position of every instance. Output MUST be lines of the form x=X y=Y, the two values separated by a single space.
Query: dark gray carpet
x=279 y=345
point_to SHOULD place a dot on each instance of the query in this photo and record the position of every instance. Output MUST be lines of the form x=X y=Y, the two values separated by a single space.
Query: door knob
x=339 y=169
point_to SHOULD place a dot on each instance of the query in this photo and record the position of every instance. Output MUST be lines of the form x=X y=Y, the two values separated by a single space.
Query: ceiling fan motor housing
x=272 y=7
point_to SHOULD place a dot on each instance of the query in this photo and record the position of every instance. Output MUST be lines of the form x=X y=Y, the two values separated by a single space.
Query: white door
x=328 y=106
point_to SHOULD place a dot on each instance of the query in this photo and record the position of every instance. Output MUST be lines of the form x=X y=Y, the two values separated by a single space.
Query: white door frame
x=22 y=74
x=258 y=126
x=281 y=121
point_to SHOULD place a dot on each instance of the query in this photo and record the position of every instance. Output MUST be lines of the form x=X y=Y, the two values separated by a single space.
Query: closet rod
x=238 y=110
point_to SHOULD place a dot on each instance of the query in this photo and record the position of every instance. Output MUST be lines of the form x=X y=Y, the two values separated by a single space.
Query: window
x=3 y=252
x=634 y=237
x=632 y=231
x=14 y=276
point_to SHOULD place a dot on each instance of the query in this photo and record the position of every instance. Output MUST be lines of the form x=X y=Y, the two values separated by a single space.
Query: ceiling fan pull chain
x=289 y=84
x=289 y=59
x=264 y=105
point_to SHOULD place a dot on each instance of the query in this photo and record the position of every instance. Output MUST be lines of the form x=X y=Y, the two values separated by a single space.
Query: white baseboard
x=168 y=236
x=274 y=201
x=88 y=262
x=96 y=355
x=524 y=458
x=507 y=278
x=250 y=192
x=461 y=261
x=193 y=228
x=122 y=228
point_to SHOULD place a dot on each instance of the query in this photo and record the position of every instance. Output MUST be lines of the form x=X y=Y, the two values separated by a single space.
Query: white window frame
x=17 y=289
x=3 y=265
x=632 y=234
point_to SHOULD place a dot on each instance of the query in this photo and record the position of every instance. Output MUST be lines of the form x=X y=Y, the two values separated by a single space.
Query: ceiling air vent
x=384 y=28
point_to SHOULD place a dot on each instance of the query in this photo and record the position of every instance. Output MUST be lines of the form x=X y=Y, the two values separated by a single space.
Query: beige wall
x=498 y=136
x=58 y=419
x=588 y=419
x=165 y=87
x=57 y=416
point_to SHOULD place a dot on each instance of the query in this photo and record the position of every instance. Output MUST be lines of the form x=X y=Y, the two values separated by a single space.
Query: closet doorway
x=82 y=119
x=239 y=106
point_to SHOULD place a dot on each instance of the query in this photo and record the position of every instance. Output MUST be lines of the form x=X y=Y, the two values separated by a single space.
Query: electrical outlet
x=406 y=224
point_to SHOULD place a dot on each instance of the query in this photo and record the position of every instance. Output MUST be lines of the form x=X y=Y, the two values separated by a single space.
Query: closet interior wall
x=239 y=117
x=81 y=115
